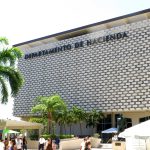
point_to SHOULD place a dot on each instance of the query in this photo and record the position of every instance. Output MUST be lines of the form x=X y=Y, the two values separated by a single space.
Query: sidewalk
x=92 y=149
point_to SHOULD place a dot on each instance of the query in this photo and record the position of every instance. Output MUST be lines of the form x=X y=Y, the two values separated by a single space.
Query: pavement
x=92 y=149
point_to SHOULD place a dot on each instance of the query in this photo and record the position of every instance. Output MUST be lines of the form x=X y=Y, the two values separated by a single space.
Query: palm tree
x=122 y=124
x=66 y=117
x=93 y=118
x=71 y=119
x=61 y=119
x=10 y=76
x=49 y=106
x=80 y=116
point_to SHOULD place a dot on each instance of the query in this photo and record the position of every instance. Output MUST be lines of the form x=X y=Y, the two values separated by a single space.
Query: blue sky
x=23 y=20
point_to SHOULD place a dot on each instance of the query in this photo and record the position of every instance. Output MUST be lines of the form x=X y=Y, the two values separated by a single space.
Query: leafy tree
x=49 y=106
x=10 y=76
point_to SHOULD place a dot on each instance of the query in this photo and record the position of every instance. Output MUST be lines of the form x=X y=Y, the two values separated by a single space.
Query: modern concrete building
x=105 y=66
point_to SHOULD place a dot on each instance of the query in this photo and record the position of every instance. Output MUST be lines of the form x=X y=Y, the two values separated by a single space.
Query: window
x=117 y=116
x=128 y=121
x=104 y=124
x=144 y=119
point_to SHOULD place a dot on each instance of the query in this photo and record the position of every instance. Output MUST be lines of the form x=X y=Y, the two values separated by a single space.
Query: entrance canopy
x=110 y=130
x=14 y=124
x=10 y=131
x=139 y=130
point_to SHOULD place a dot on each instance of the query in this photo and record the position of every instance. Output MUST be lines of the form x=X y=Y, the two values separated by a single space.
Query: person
x=54 y=146
x=41 y=143
x=88 y=139
x=2 y=146
x=19 y=143
x=88 y=146
x=6 y=142
x=0 y=136
x=12 y=145
x=82 y=147
x=49 y=144
x=57 y=141
x=24 y=143
x=115 y=137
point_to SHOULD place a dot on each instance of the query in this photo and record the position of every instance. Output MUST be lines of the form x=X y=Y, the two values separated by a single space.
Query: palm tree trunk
x=70 y=129
x=53 y=128
x=49 y=123
x=93 y=129
x=65 y=128
x=80 y=128
x=61 y=129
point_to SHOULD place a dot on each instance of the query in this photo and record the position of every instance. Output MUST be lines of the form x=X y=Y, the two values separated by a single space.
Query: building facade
x=105 y=66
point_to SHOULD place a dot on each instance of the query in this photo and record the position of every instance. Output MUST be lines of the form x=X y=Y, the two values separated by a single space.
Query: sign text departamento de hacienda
x=76 y=45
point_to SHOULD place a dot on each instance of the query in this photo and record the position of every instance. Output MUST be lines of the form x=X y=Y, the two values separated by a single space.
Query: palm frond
x=4 y=91
x=16 y=52
x=14 y=77
x=52 y=104
x=6 y=56
x=39 y=120
x=10 y=55
x=39 y=108
x=4 y=40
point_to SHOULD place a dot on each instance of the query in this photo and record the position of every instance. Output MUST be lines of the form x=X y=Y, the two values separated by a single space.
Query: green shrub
x=53 y=136
x=46 y=136
x=96 y=135
x=65 y=136
x=33 y=134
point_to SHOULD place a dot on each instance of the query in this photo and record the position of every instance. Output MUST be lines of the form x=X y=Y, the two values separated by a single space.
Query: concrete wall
x=75 y=130
x=109 y=76
x=136 y=115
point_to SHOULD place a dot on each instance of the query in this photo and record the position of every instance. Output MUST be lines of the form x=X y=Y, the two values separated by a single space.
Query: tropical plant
x=49 y=106
x=96 y=135
x=33 y=134
x=41 y=120
x=93 y=118
x=80 y=116
x=61 y=118
x=68 y=117
x=122 y=123
x=10 y=76
x=71 y=119
x=61 y=136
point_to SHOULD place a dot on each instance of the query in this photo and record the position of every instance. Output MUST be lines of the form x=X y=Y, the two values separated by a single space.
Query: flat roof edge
x=84 y=27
